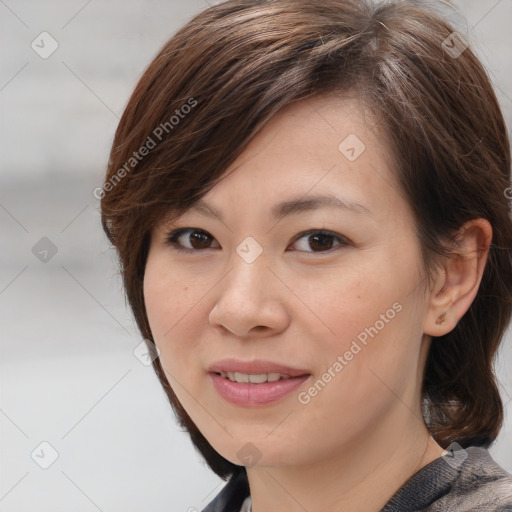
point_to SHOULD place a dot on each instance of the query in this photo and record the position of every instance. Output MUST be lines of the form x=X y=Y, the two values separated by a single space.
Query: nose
x=250 y=300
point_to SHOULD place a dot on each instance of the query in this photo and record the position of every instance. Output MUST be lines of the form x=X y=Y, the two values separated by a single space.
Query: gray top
x=467 y=480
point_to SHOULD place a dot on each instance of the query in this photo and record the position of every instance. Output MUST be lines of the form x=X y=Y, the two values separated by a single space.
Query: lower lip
x=241 y=393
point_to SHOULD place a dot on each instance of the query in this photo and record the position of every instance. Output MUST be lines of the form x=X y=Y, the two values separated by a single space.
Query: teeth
x=258 y=379
x=241 y=377
x=253 y=379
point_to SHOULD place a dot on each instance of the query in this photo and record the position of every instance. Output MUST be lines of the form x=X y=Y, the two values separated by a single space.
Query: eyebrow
x=292 y=206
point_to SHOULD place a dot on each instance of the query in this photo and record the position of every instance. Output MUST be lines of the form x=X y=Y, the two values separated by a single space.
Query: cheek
x=351 y=300
x=172 y=312
x=158 y=290
x=373 y=314
x=170 y=306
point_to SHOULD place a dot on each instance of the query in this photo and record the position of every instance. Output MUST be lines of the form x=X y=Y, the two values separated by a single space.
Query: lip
x=248 y=394
x=254 y=367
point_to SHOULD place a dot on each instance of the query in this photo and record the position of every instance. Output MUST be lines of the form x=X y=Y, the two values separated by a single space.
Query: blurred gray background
x=69 y=375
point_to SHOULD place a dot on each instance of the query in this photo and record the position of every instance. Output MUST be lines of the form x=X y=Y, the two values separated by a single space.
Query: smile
x=269 y=388
x=259 y=378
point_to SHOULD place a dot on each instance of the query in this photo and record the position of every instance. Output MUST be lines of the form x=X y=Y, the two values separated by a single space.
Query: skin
x=358 y=440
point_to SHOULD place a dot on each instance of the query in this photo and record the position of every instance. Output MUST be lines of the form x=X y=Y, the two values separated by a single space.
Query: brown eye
x=190 y=239
x=320 y=241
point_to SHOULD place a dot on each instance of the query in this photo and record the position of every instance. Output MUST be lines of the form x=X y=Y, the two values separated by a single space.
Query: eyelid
x=343 y=240
x=171 y=238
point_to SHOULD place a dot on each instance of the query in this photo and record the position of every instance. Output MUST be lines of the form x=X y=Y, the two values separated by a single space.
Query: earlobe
x=441 y=318
x=459 y=278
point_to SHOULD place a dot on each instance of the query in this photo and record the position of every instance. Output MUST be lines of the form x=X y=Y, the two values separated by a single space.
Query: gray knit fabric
x=469 y=480
x=473 y=483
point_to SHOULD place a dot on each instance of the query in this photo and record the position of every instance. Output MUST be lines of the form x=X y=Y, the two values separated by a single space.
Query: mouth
x=257 y=368
x=256 y=382
x=258 y=378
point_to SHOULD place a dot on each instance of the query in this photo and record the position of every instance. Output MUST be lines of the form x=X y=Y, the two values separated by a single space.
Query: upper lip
x=254 y=367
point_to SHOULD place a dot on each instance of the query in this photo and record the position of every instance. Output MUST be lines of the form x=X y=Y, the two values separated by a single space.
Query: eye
x=197 y=239
x=320 y=240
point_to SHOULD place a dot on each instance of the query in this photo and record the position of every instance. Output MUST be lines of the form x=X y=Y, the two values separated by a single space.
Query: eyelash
x=172 y=238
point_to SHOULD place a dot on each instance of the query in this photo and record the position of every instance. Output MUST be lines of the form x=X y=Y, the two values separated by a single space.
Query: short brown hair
x=236 y=64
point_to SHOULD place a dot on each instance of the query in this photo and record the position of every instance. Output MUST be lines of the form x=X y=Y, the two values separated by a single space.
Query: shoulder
x=482 y=484
x=469 y=481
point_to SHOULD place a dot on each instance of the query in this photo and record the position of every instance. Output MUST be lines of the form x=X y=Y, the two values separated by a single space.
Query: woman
x=354 y=375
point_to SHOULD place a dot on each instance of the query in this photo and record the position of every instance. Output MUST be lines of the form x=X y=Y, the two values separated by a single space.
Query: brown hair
x=236 y=64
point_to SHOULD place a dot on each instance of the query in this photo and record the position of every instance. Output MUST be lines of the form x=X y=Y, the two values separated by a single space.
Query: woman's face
x=330 y=293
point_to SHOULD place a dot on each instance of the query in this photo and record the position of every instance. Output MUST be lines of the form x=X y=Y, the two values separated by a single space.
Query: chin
x=252 y=451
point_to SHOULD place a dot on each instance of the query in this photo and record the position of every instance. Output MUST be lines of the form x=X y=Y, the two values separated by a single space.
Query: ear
x=458 y=278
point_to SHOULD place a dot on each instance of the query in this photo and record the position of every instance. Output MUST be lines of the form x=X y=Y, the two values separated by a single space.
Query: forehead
x=315 y=145
x=342 y=131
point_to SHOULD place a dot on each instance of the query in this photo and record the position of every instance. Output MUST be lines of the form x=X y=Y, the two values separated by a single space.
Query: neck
x=361 y=476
